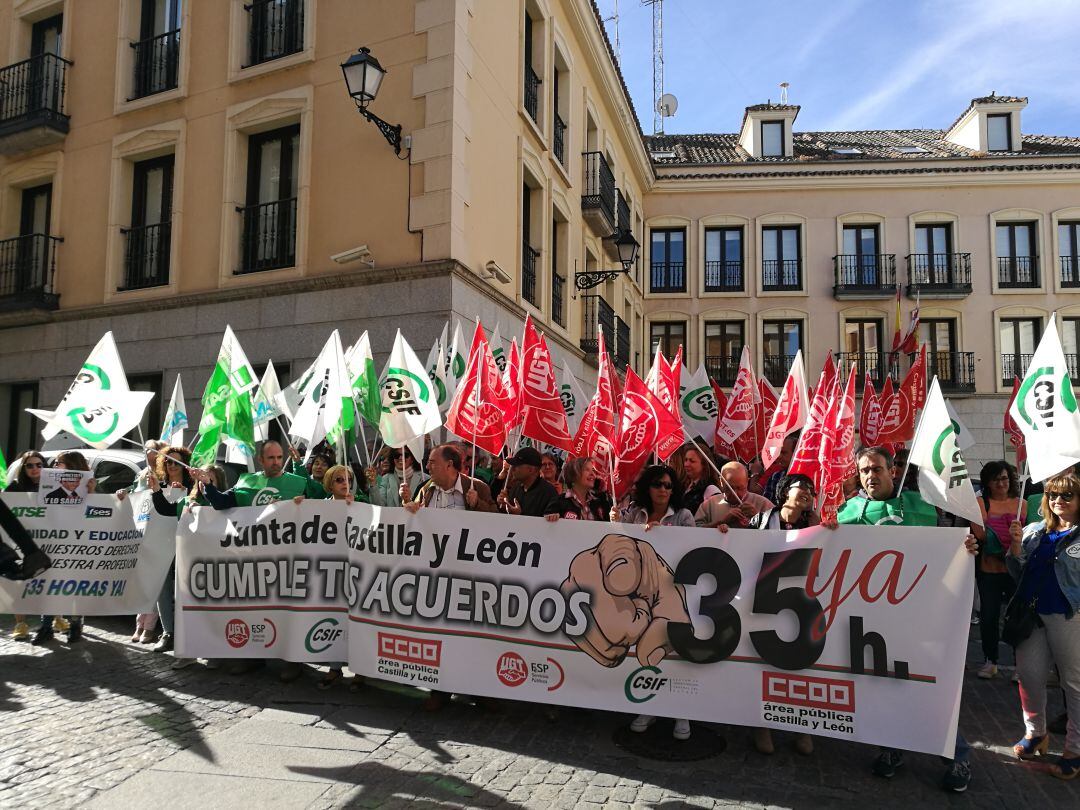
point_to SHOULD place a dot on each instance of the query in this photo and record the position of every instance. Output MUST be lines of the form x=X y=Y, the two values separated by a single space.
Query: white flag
x=436 y=370
x=98 y=417
x=943 y=475
x=573 y=399
x=792 y=411
x=102 y=371
x=497 y=350
x=964 y=440
x=410 y=408
x=698 y=405
x=265 y=405
x=456 y=361
x=326 y=398
x=1045 y=409
x=172 y=429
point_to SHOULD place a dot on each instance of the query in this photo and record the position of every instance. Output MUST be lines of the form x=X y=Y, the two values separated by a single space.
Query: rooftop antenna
x=614 y=18
x=657 y=63
x=783 y=92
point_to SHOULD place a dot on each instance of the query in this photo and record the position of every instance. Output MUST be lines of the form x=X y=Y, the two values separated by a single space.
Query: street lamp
x=363 y=77
x=627 y=247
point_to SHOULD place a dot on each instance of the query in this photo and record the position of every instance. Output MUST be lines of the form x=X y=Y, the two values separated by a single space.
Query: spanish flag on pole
x=906 y=341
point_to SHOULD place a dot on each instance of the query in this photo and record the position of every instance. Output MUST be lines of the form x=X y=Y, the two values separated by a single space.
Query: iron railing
x=954 y=370
x=34 y=89
x=1018 y=271
x=267 y=236
x=622 y=211
x=724 y=276
x=558 y=299
x=558 y=140
x=1013 y=365
x=864 y=273
x=668 y=277
x=723 y=369
x=146 y=256
x=28 y=268
x=939 y=272
x=599 y=187
x=622 y=343
x=532 y=93
x=1070 y=271
x=781 y=275
x=1072 y=364
x=596 y=310
x=276 y=29
x=876 y=364
x=776 y=368
x=529 y=257
x=157 y=63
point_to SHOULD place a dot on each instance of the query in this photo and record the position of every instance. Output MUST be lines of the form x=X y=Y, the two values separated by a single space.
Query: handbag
x=1021 y=618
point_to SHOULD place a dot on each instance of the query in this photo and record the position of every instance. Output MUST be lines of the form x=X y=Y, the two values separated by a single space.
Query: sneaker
x=958 y=777
x=43 y=635
x=21 y=632
x=988 y=670
x=888 y=763
x=165 y=643
x=642 y=722
x=60 y=624
x=74 y=631
x=682 y=730
x=181 y=663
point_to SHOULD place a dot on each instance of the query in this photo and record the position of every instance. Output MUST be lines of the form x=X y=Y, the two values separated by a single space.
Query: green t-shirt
x=255 y=489
x=907 y=510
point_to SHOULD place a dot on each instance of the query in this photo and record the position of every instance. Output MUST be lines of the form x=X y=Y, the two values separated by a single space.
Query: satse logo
x=803 y=690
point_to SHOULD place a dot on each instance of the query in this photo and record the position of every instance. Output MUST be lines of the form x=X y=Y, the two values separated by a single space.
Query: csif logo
x=1040 y=396
x=645 y=683
x=266 y=495
x=700 y=404
x=401 y=390
x=322 y=635
x=83 y=421
x=946 y=454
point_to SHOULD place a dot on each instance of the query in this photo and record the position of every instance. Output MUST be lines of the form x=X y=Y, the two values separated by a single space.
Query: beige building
x=169 y=167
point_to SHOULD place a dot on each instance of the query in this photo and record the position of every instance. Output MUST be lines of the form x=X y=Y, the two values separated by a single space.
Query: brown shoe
x=763 y=741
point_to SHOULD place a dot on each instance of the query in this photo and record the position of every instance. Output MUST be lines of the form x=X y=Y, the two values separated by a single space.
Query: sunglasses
x=661 y=485
x=1060 y=496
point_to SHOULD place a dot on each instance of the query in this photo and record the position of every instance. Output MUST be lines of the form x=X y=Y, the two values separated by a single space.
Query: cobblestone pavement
x=110 y=724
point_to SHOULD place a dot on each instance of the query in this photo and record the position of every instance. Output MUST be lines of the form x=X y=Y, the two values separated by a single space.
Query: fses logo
x=98 y=511
x=237 y=633
x=410 y=650
x=512 y=669
x=803 y=690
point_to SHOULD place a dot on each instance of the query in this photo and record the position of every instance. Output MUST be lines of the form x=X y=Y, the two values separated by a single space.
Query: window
x=911 y=150
x=781 y=341
x=1018 y=265
x=276 y=29
x=148 y=240
x=846 y=150
x=27 y=261
x=1070 y=343
x=724 y=341
x=157 y=53
x=558 y=131
x=724 y=260
x=955 y=370
x=999 y=133
x=268 y=235
x=772 y=138
x=668 y=257
x=932 y=264
x=558 y=281
x=859 y=264
x=529 y=255
x=668 y=336
x=939 y=335
x=780 y=266
x=532 y=79
x=1069 y=245
x=1017 y=340
x=22 y=427
x=863 y=347
x=151 y=421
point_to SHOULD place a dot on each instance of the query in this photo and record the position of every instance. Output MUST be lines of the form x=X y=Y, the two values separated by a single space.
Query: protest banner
x=63 y=487
x=109 y=556
x=808 y=631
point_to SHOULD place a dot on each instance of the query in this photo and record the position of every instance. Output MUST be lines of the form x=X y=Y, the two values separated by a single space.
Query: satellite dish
x=667 y=105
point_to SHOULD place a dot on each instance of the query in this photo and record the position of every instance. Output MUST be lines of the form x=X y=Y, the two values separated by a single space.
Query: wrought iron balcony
x=939 y=275
x=598 y=194
x=1070 y=271
x=781 y=276
x=1074 y=367
x=595 y=310
x=267 y=236
x=157 y=63
x=146 y=256
x=723 y=369
x=28 y=272
x=622 y=343
x=668 y=277
x=1018 y=272
x=32 y=103
x=864 y=276
x=558 y=139
x=955 y=370
x=1014 y=365
x=776 y=368
x=724 y=276
x=276 y=29
x=876 y=364
x=532 y=93
x=529 y=257
x=558 y=299
x=622 y=223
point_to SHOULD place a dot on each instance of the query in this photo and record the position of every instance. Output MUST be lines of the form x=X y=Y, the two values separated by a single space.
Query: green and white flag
x=1045 y=409
x=266 y=404
x=102 y=371
x=574 y=402
x=226 y=404
x=3 y=471
x=172 y=428
x=697 y=404
x=964 y=440
x=99 y=417
x=327 y=406
x=943 y=475
x=498 y=352
x=290 y=397
x=436 y=370
x=364 y=380
x=410 y=408
x=455 y=363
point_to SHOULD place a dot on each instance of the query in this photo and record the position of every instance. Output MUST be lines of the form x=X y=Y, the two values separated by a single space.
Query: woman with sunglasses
x=31 y=463
x=1046 y=561
x=386 y=490
x=658 y=501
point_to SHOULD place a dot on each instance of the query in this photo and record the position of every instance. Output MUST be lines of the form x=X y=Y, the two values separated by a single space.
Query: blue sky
x=856 y=64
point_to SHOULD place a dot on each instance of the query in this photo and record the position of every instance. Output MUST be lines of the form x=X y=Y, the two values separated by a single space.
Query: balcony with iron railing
x=28 y=272
x=876 y=364
x=1070 y=271
x=1018 y=272
x=267 y=236
x=32 y=109
x=1014 y=365
x=954 y=370
x=275 y=29
x=622 y=344
x=723 y=369
x=724 y=276
x=558 y=299
x=775 y=368
x=529 y=257
x=157 y=63
x=864 y=276
x=1071 y=361
x=668 y=277
x=146 y=256
x=781 y=275
x=558 y=140
x=532 y=93
x=939 y=275
x=598 y=194
x=622 y=223
x=595 y=310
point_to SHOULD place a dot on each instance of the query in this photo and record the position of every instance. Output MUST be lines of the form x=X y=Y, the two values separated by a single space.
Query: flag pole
x=363 y=433
x=1023 y=485
x=163 y=455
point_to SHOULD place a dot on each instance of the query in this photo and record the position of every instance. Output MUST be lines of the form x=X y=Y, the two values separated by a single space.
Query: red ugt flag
x=645 y=426
x=805 y=458
x=545 y=419
x=476 y=411
x=595 y=437
x=838 y=450
x=870 y=417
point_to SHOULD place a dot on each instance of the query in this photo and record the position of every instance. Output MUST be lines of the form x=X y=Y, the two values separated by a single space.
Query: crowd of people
x=1020 y=550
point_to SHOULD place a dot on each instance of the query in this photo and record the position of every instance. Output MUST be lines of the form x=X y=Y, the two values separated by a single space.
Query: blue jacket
x=1066 y=561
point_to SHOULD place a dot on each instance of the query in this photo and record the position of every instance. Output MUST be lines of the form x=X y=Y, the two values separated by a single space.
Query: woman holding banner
x=1046 y=564
x=578 y=500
